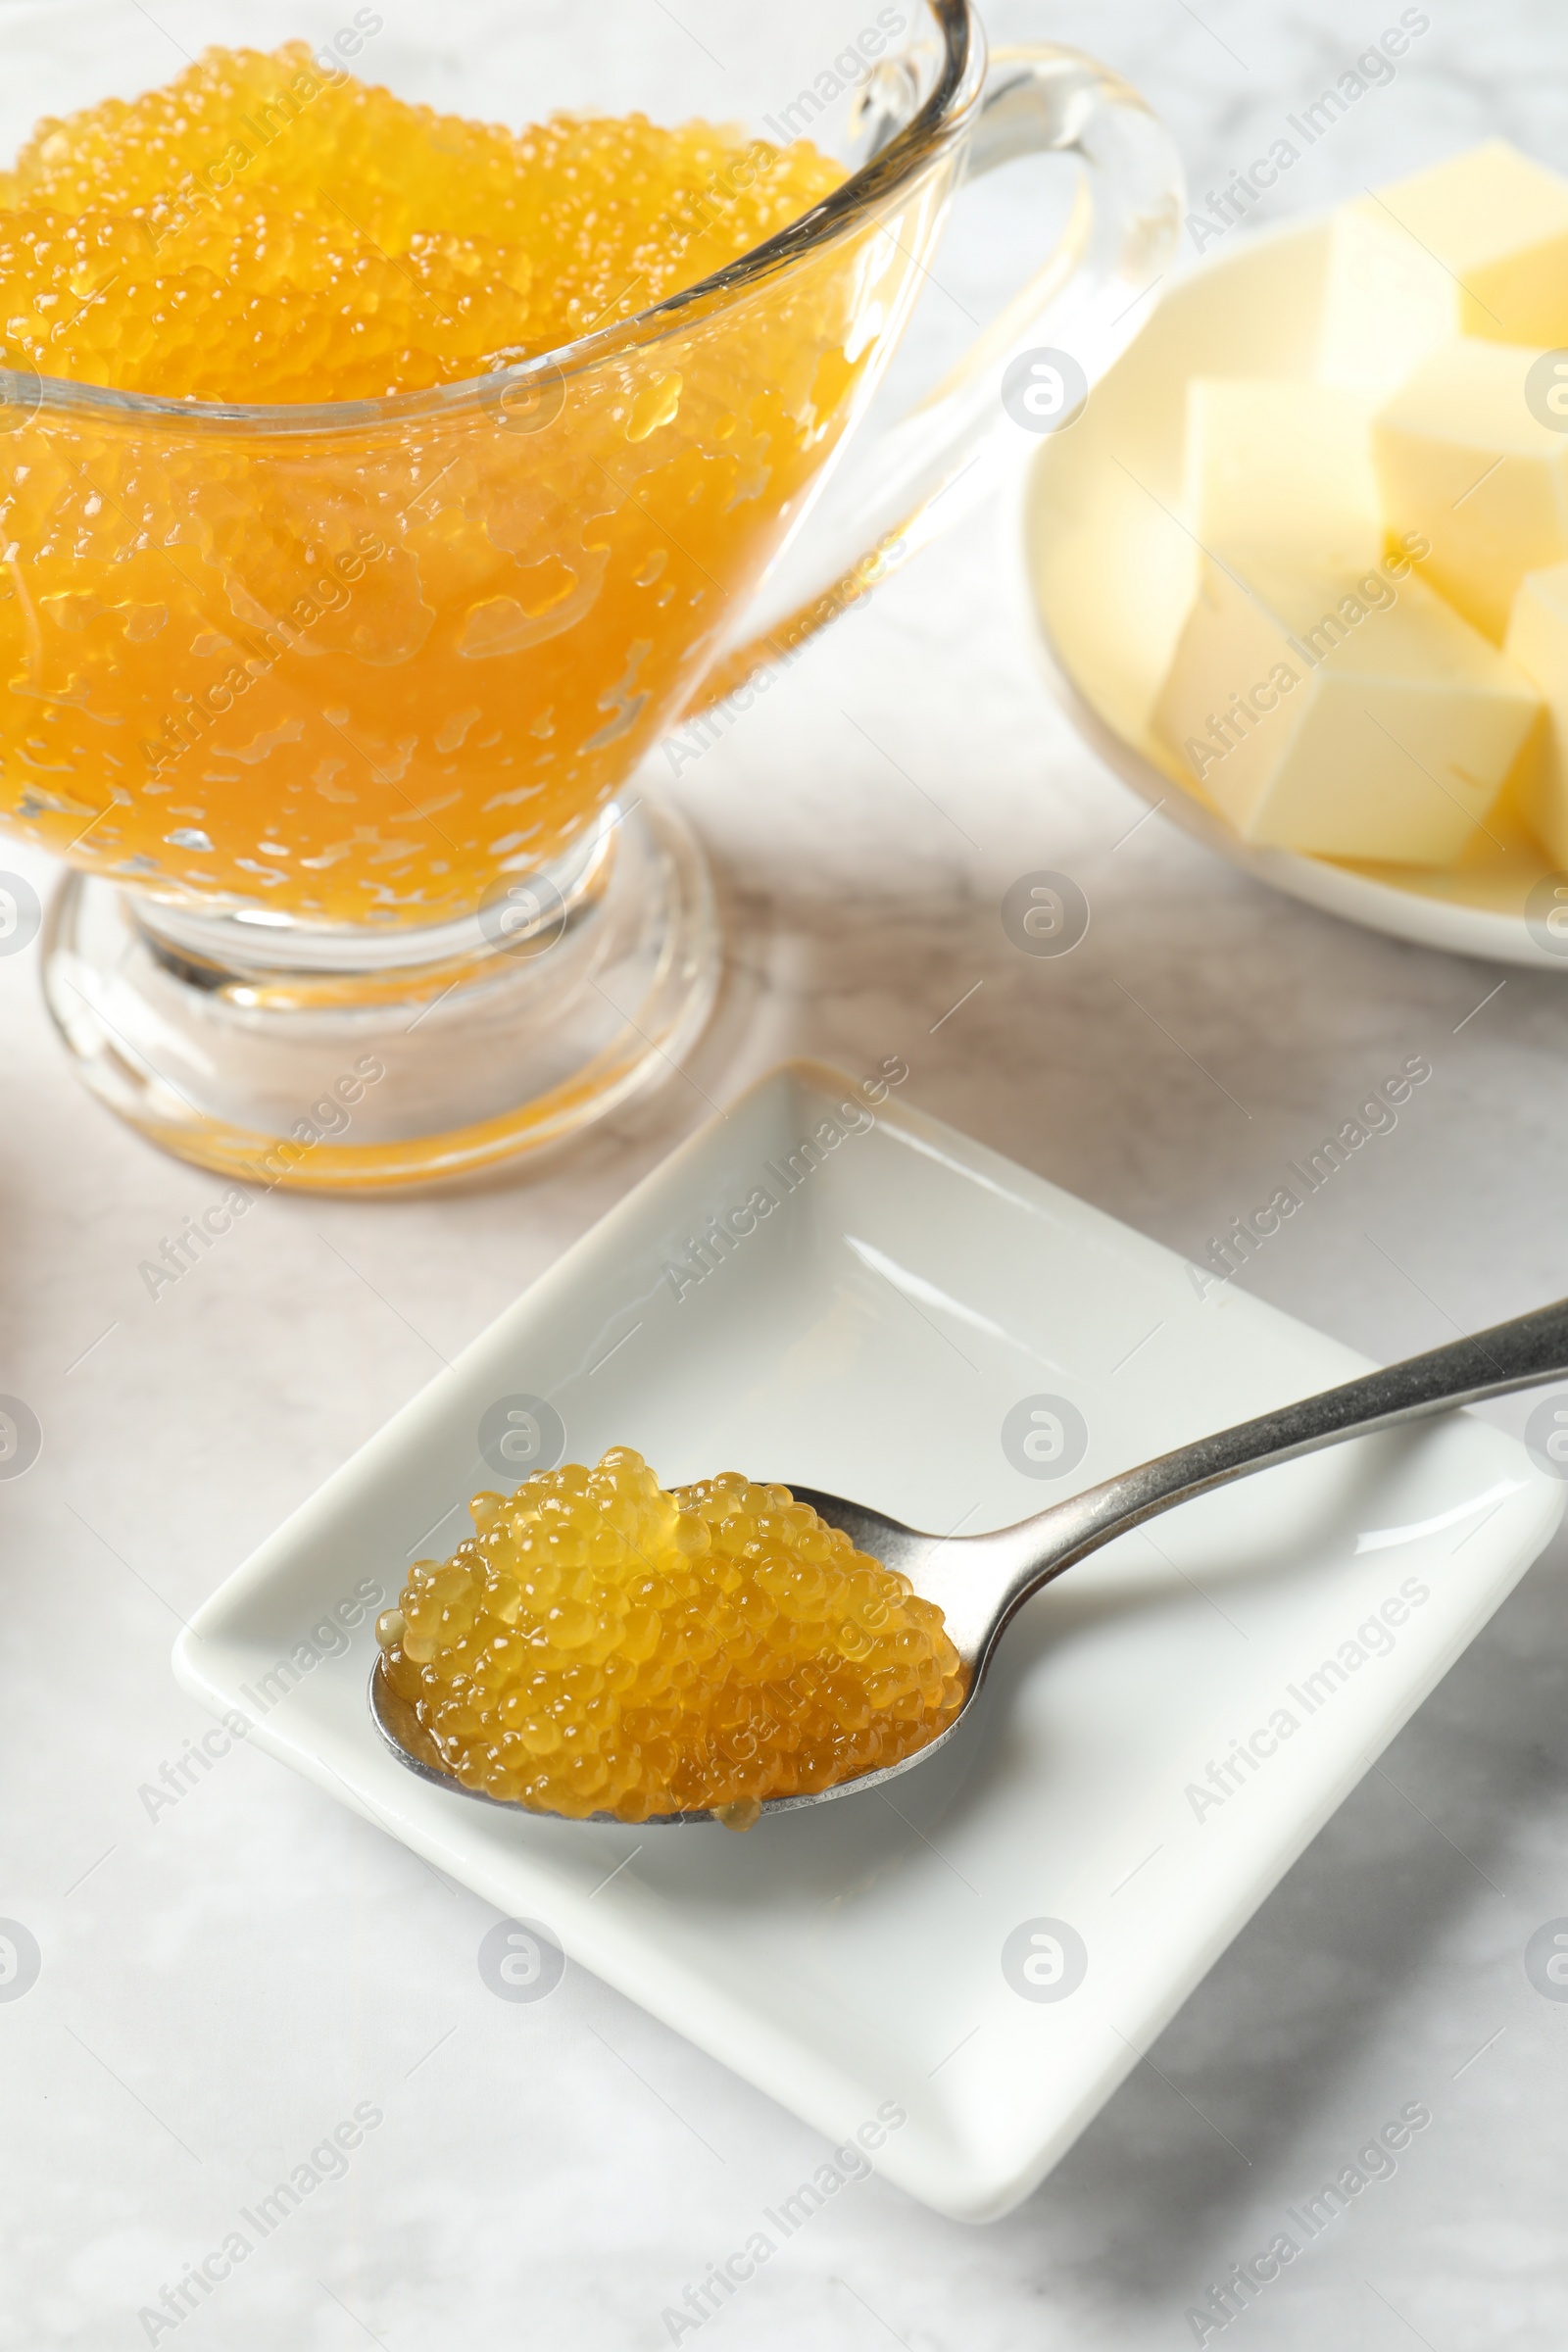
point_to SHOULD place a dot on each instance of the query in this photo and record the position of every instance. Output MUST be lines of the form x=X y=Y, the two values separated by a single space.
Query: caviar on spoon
x=603 y=1649
x=599 y=1646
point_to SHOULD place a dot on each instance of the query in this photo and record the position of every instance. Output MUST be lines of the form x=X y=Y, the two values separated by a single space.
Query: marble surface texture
x=225 y=1982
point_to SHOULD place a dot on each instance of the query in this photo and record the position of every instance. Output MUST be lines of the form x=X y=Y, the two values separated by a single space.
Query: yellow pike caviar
x=262 y=230
x=356 y=674
x=601 y=1646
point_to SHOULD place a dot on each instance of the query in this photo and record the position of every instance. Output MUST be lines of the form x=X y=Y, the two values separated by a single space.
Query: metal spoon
x=980 y=1582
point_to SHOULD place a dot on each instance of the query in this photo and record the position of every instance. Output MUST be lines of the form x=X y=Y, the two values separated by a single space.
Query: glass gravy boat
x=334 y=711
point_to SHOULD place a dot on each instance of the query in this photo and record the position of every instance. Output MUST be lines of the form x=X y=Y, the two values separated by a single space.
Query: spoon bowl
x=980 y=1582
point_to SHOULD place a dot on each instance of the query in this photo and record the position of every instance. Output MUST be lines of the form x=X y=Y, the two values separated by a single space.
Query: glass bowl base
x=358 y=1061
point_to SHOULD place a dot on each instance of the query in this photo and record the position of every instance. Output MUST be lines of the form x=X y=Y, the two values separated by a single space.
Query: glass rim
x=938 y=120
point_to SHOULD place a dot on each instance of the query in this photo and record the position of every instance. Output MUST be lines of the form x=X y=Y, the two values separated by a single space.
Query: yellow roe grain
x=250 y=232
x=599 y=1646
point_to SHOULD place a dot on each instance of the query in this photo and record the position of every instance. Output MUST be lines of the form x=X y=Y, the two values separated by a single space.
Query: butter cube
x=1538 y=645
x=1343 y=715
x=1286 y=466
x=1466 y=462
x=1477 y=246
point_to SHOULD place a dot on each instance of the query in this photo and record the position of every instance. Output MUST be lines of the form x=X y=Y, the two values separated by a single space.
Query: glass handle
x=936 y=464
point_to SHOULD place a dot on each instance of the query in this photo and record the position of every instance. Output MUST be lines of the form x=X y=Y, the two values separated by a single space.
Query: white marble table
x=226 y=1977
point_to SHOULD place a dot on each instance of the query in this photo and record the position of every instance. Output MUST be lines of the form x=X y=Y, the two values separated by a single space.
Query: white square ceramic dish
x=1167 y=1727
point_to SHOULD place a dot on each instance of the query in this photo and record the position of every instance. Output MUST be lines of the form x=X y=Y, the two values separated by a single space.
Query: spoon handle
x=1531 y=1349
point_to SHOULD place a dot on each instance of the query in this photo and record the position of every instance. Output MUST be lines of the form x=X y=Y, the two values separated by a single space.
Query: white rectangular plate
x=1166 y=1729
